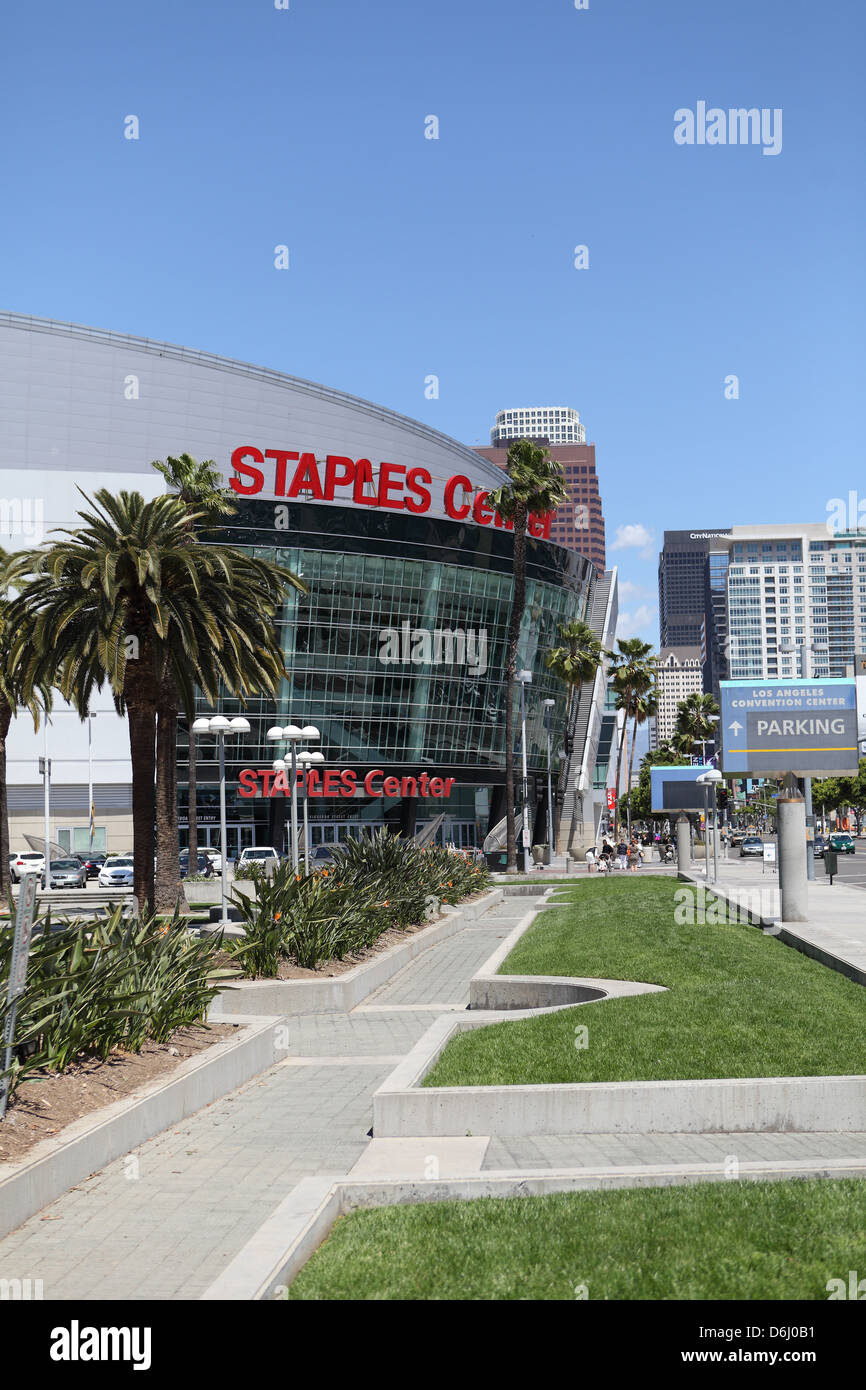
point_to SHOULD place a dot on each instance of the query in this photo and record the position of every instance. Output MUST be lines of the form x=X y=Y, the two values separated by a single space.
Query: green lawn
x=730 y=1240
x=739 y=1003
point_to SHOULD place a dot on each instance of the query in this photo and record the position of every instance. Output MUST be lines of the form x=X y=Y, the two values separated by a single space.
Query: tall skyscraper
x=693 y=598
x=579 y=523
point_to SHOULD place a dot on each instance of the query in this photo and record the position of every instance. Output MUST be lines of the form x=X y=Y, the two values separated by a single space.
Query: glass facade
x=396 y=656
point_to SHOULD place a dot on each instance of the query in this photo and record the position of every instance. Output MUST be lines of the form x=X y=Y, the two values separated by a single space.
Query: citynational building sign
x=396 y=649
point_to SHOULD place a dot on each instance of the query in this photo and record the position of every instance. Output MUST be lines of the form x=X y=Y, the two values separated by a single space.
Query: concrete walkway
x=166 y=1221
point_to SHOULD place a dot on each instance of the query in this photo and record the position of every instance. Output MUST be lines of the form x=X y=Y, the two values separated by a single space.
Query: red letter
x=363 y=476
x=391 y=786
x=449 y=783
x=267 y=777
x=313 y=783
x=424 y=784
x=368 y=782
x=414 y=477
x=347 y=474
x=247 y=779
x=281 y=784
x=450 y=488
x=330 y=785
x=481 y=513
x=307 y=478
x=535 y=524
x=386 y=483
x=282 y=456
x=436 y=787
x=257 y=479
x=349 y=781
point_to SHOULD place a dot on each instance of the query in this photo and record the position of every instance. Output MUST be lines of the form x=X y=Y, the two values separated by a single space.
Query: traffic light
x=722 y=798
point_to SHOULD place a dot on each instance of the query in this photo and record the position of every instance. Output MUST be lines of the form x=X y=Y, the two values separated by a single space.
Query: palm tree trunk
x=630 y=767
x=564 y=774
x=168 y=888
x=192 y=812
x=620 y=751
x=518 y=604
x=142 y=750
x=5 y=721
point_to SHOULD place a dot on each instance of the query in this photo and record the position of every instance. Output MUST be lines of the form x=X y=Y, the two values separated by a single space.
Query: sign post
x=17 y=973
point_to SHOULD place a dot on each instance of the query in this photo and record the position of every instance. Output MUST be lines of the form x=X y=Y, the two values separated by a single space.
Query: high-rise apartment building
x=579 y=523
x=796 y=601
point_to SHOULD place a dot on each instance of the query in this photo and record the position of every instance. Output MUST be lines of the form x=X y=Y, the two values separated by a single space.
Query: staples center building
x=396 y=652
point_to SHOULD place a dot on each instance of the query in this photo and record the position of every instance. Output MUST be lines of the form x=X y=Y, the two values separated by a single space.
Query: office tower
x=579 y=523
x=693 y=598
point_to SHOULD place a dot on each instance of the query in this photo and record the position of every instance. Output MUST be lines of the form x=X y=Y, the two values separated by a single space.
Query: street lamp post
x=525 y=679
x=802 y=648
x=293 y=735
x=707 y=780
x=221 y=726
x=548 y=715
x=307 y=760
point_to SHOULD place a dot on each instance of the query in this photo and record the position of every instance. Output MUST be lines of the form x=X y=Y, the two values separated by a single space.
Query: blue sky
x=454 y=257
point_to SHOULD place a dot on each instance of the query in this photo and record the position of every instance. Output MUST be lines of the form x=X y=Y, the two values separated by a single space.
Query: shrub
x=92 y=987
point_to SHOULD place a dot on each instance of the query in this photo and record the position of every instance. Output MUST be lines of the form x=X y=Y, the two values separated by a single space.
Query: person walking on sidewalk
x=633 y=856
x=622 y=854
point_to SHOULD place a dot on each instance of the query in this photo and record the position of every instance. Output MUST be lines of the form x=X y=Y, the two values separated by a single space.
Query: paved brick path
x=165 y=1221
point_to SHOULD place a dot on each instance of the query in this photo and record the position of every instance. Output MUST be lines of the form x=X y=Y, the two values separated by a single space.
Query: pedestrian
x=622 y=854
x=590 y=859
x=633 y=857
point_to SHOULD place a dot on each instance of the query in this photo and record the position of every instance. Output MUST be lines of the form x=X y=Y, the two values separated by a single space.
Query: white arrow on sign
x=736 y=726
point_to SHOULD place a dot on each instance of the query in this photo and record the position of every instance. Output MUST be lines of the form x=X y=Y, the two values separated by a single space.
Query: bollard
x=792 y=856
x=683 y=845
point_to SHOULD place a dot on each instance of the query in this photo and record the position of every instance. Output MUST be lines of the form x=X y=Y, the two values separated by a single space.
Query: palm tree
x=575 y=662
x=632 y=674
x=130 y=597
x=644 y=706
x=199 y=487
x=12 y=571
x=695 y=720
x=535 y=484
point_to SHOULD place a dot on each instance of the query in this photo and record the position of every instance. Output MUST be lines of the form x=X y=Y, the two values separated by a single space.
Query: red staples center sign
x=293 y=474
x=335 y=782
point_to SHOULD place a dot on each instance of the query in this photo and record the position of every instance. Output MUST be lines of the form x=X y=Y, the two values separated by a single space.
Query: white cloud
x=627 y=590
x=642 y=622
x=633 y=536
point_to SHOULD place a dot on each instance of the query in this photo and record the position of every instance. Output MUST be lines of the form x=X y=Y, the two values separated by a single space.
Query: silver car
x=67 y=873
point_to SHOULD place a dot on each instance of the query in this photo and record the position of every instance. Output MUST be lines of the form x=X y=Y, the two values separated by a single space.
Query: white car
x=257 y=854
x=116 y=873
x=25 y=863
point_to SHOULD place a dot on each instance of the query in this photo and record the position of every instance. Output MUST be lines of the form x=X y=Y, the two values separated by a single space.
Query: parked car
x=819 y=846
x=205 y=866
x=93 y=863
x=322 y=856
x=27 y=862
x=257 y=854
x=842 y=842
x=67 y=873
x=736 y=838
x=116 y=873
x=752 y=844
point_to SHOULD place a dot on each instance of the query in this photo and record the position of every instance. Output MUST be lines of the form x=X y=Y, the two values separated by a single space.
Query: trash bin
x=831 y=863
x=497 y=860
